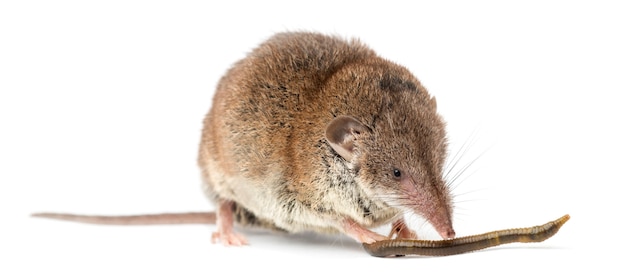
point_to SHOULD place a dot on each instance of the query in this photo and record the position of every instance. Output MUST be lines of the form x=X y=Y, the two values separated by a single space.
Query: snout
x=432 y=202
x=442 y=222
x=446 y=233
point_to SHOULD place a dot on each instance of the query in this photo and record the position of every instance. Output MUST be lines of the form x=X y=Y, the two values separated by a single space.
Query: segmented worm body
x=400 y=247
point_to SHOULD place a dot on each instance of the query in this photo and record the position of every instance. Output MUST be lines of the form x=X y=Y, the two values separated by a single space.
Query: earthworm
x=401 y=247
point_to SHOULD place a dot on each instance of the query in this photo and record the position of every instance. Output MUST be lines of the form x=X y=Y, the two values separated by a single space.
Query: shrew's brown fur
x=265 y=147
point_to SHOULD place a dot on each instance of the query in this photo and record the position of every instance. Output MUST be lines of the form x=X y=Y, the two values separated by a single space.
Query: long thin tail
x=146 y=219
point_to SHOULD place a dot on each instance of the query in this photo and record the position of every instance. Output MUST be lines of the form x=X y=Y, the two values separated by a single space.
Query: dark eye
x=397 y=173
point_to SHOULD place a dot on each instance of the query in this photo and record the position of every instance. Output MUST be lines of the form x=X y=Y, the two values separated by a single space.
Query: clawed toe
x=229 y=239
x=400 y=230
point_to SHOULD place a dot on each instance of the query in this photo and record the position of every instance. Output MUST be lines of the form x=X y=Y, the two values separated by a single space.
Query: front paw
x=399 y=230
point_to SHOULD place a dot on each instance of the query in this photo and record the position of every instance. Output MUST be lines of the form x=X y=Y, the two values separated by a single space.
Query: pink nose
x=447 y=233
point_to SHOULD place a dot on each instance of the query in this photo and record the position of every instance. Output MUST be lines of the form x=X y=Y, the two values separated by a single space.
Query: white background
x=101 y=107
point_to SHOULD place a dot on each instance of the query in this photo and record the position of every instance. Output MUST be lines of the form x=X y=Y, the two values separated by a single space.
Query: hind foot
x=225 y=226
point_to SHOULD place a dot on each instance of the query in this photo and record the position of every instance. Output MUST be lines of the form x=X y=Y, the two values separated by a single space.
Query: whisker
x=466 y=201
x=456 y=158
x=452 y=184
x=452 y=181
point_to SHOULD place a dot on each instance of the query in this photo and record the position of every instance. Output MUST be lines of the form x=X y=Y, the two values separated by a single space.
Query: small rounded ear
x=341 y=133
